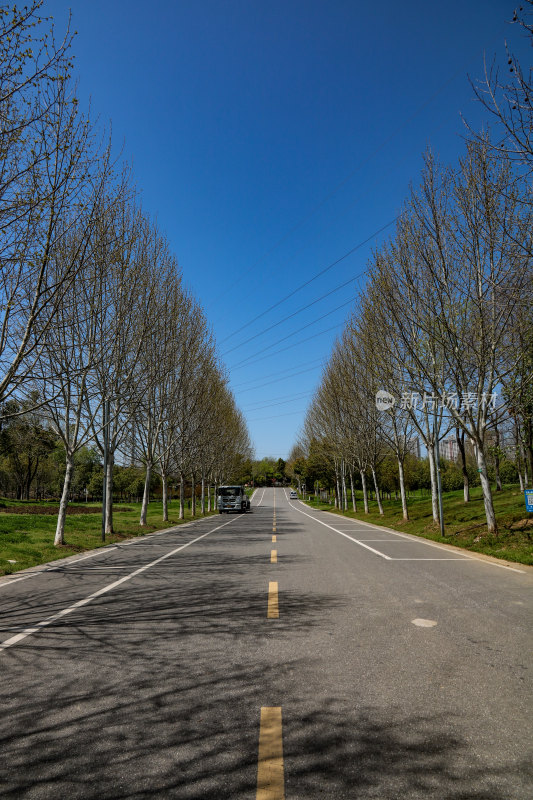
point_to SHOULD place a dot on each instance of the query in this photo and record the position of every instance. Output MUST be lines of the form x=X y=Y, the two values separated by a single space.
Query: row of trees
x=441 y=339
x=314 y=470
x=100 y=341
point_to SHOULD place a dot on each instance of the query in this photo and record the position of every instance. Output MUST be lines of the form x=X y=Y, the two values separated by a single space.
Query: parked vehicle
x=232 y=498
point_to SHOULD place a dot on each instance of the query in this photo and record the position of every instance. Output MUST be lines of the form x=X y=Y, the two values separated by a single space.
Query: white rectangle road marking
x=372 y=550
x=413 y=539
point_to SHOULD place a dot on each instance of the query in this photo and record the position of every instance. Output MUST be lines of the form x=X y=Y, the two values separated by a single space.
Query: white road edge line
x=53 y=568
x=29 y=631
x=387 y=558
x=96 y=553
x=464 y=556
x=24 y=578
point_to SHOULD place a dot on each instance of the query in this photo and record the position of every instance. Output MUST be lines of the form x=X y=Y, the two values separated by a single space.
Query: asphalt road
x=395 y=668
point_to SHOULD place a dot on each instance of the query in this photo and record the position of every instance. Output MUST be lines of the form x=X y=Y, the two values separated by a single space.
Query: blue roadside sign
x=528 y=493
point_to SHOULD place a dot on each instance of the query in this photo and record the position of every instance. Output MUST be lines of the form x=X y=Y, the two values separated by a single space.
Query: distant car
x=293 y=495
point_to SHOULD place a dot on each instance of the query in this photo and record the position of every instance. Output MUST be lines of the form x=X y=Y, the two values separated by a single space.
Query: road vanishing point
x=284 y=653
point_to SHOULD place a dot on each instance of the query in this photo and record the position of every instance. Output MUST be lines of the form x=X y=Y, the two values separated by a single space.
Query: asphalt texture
x=402 y=671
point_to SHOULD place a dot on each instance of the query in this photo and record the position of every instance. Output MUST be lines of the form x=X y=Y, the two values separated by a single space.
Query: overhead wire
x=306 y=283
x=292 y=399
x=289 y=414
x=307 y=325
x=277 y=380
x=290 y=316
x=278 y=372
x=290 y=346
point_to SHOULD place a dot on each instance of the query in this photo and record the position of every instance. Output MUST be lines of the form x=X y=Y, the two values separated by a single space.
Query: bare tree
x=509 y=100
x=455 y=276
x=46 y=162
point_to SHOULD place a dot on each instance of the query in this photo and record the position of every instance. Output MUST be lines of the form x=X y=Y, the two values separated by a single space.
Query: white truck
x=232 y=498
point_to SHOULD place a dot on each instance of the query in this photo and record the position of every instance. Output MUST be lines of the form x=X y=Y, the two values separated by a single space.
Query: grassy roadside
x=465 y=523
x=27 y=529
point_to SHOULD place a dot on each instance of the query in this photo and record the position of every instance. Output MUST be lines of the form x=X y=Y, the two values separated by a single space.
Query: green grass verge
x=28 y=538
x=465 y=523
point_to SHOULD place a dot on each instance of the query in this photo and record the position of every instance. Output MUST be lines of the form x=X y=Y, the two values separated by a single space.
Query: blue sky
x=270 y=139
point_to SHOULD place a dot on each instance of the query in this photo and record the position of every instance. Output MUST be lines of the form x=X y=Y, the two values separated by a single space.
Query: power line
x=289 y=414
x=240 y=365
x=322 y=297
x=308 y=325
x=293 y=399
x=269 y=383
x=314 y=361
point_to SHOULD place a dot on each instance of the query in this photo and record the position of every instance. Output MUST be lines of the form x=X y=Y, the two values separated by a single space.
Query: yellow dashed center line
x=270 y=778
x=273 y=610
x=274 y=556
x=274 y=537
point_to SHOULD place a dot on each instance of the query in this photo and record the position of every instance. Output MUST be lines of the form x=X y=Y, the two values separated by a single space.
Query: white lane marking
x=262 y=497
x=383 y=540
x=450 y=558
x=29 y=631
x=53 y=568
x=424 y=623
x=412 y=538
x=387 y=558
x=97 y=553
x=16 y=580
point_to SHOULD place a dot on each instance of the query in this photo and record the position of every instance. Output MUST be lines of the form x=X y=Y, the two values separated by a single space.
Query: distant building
x=449 y=449
x=413 y=447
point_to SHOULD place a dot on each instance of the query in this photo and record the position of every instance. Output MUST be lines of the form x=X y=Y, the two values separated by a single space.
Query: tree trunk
x=209 y=506
x=365 y=490
x=60 y=528
x=109 y=494
x=146 y=494
x=434 y=490
x=529 y=447
x=344 y=492
x=182 y=498
x=497 y=460
x=202 y=499
x=354 y=504
x=402 y=489
x=337 y=490
x=164 y=481
x=378 y=496
x=487 y=494
x=193 y=496
x=460 y=439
